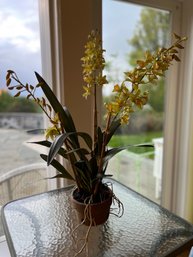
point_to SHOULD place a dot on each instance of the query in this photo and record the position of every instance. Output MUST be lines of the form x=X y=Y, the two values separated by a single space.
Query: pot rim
x=93 y=204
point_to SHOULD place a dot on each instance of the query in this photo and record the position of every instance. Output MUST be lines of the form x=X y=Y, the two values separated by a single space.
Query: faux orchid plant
x=88 y=164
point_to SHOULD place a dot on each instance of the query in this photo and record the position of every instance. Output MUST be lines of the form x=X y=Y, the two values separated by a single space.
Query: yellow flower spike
x=115 y=107
x=141 y=63
x=109 y=107
x=116 y=88
x=101 y=80
x=125 y=119
x=120 y=102
x=144 y=100
x=87 y=91
x=56 y=118
x=51 y=132
x=125 y=90
x=148 y=56
x=93 y=63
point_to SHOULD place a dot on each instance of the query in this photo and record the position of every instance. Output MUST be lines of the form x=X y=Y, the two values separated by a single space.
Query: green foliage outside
x=20 y=104
x=151 y=33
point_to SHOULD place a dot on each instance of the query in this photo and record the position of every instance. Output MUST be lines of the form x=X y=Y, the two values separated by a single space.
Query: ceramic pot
x=93 y=214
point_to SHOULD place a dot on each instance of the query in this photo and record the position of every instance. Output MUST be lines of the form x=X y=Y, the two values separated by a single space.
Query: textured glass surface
x=43 y=225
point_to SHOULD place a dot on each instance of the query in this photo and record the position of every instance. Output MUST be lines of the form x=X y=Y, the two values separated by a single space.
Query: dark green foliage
x=63 y=172
x=143 y=121
x=156 y=96
x=151 y=34
x=20 y=104
x=63 y=112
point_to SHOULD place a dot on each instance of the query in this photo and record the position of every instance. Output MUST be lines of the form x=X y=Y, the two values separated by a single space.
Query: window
x=61 y=66
x=22 y=170
x=145 y=29
x=177 y=130
x=174 y=158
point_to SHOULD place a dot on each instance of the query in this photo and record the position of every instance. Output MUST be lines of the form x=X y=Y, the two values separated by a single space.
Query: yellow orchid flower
x=51 y=132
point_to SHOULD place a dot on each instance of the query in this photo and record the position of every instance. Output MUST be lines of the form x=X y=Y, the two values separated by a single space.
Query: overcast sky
x=119 y=22
x=20 y=43
x=19 y=38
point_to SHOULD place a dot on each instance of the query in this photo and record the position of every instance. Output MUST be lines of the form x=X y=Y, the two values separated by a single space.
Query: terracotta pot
x=93 y=214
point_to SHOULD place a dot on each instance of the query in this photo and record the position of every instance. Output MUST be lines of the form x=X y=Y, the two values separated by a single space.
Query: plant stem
x=72 y=160
x=32 y=94
x=95 y=116
x=100 y=167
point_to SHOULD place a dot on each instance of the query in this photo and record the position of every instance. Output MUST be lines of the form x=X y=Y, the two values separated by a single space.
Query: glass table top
x=44 y=225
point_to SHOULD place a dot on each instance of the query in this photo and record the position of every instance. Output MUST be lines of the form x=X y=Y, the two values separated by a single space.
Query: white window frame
x=182 y=192
x=64 y=30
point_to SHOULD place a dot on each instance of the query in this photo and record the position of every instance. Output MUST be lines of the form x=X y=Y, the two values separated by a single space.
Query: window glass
x=21 y=169
x=138 y=29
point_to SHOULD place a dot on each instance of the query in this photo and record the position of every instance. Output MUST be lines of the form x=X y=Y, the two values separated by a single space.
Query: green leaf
x=87 y=138
x=107 y=175
x=36 y=131
x=83 y=166
x=179 y=46
x=43 y=143
x=58 y=166
x=63 y=113
x=57 y=176
x=99 y=139
x=83 y=175
x=77 y=150
x=176 y=36
x=58 y=142
x=55 y=147
x=174 y=56
x=94 y=165
x=109 y=154
x=18 y=94
x=112 y=152
x=68 y=120
x=46 y=143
